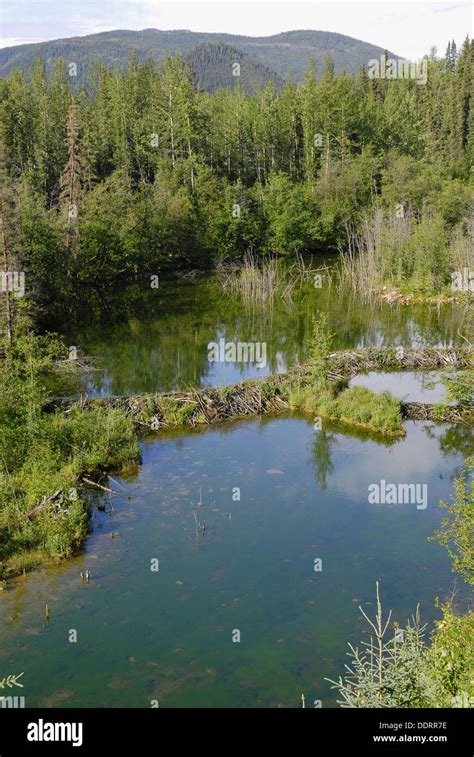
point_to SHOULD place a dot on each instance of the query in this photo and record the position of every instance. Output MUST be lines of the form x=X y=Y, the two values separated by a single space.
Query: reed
x=261 y=280
x=372 y=246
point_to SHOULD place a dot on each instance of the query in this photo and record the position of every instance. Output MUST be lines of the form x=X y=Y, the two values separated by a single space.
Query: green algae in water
x=167 y=635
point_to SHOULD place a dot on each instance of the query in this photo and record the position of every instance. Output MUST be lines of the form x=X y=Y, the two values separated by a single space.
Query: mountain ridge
x=275 y=57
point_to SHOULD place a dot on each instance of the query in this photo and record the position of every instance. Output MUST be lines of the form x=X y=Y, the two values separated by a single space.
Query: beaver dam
x=272 y=394
x=248 y=562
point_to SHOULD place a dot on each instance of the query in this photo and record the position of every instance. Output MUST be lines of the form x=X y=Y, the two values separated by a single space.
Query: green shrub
x=398 y=668
x=44 y=454
x=457 y=532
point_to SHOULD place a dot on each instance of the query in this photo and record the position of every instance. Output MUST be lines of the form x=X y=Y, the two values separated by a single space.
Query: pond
x=410 y=386
x=163 y=343
x=275 y=496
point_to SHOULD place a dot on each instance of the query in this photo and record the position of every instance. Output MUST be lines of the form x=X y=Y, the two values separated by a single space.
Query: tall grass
x=261 y=280
x=461 y=243
x=372 y=245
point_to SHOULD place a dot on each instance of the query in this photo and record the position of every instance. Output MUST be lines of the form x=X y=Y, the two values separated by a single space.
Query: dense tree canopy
x=139 y=172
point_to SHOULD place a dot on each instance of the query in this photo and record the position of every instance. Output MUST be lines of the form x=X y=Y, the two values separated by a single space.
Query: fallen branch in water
x=11 y=680
x=99 y=486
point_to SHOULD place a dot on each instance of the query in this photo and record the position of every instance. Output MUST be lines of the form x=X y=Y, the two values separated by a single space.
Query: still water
x=410 y=386
x=274 y=496
x=246 y=565
x=163 y=344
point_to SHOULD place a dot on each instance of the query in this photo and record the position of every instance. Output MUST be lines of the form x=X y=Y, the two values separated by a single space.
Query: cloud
x=410 y=29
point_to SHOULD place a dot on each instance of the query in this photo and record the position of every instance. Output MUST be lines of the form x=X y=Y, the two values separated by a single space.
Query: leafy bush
x=457 y=533
x=44 y=510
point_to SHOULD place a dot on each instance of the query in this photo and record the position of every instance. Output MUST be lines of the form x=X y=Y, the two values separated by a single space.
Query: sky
x=409 y=29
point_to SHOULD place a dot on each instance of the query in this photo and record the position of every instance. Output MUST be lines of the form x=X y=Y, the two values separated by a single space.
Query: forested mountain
x=275 y=57
x=139 y=172
x=214 y=66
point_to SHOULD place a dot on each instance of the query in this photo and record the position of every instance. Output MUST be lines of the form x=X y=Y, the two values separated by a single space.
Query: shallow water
x=163 y=345
x=243 y=565
x=167 y=635
x=410 y=386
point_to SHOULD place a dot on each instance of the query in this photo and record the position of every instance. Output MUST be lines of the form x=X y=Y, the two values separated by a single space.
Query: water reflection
x=165 y=345
x=167 y=634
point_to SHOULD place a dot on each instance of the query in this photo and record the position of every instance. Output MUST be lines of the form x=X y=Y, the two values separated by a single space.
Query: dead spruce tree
x=7 y=237
x=70 y=183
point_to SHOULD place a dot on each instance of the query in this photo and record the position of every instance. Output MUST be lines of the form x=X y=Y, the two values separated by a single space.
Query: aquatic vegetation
x=260 y=280
x=98 y=211
x=356 y=406
x=327 y=396
x=414 y=254
x=361 y=407
x=295 y=390
x=405 y=671
x=48 y=447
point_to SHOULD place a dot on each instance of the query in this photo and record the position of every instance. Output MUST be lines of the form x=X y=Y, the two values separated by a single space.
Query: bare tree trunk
x=190 y=153
x=170 y=113
x=4 y=242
